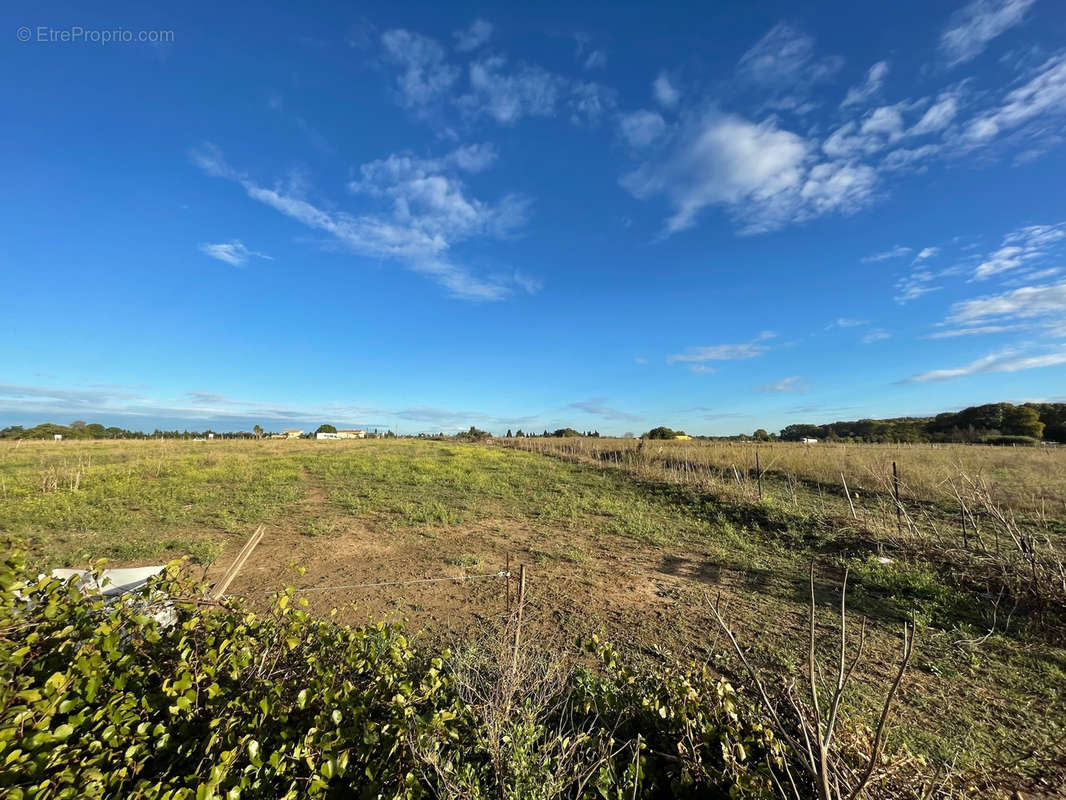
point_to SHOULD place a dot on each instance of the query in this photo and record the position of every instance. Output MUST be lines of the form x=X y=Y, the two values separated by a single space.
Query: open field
x=630 y=542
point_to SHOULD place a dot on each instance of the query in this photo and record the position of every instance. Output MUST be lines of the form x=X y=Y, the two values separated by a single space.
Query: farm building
x=293 y=434
x=57 y=436
x=808 y=440
x=355 y=433
x=328 y=436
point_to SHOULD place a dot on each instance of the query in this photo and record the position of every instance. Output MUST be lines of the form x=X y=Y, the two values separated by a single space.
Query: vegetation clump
x=163 y=695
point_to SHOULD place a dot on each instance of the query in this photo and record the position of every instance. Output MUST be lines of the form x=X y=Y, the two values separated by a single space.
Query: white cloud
x=793 y=383
x=904 y=157
x=1020 y=248
x=972 y=27
x=508 y=95
x=1023 y=303
x=641 y=128
x=426 y=76
x=914 y=285
x=938 y=116
x=597 y=59
x=1009 y=360
x=427 y=211
x=899 y=251
x=665 y=94
x=724 y=352
x=589 y=102
x=473 y=37
x=976 y=330
x=875 y=77
x=233 y=252
x=876 y=335
x=845 y=322
x=926 y=252
x=763 y=175
x=783 y=61
x=1044 y=93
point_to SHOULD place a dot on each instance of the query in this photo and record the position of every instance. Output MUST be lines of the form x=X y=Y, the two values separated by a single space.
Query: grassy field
x=631 y=542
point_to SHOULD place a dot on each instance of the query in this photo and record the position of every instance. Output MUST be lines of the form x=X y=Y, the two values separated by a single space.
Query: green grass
x=141 y=501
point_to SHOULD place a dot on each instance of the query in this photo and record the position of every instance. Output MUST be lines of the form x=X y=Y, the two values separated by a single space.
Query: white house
x=806 y=440
x=57 y=436
x=355 y=433
x=327 y=436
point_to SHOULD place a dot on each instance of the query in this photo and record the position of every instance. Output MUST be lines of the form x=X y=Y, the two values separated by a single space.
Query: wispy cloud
x=1024 y=303
x=724 y=352
x=972 y=27
x=666 y=94
x=784 y=63
x=596 y=406
x=926 y=253
x=428 y=211
x=846 y=322
x=233 y=252
x=1020 y=248
x=474 y=36
x=899 y=251
x=1008 y=360
x=425 y=74
x=875 y=77
x=976 y=330
x=876 y=335
x=793 y=383
x=641 y=128
x=1044 y=94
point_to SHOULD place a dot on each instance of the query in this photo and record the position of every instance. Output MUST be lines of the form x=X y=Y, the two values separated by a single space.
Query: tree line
x=993 y=423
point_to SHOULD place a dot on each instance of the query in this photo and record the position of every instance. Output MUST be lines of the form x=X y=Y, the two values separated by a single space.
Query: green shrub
x=101 y=700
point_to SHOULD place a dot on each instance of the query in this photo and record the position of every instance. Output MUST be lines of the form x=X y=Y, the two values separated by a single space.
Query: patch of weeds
x=466 y=560
x=910 y=588
x=205 y=552
x=318 y=527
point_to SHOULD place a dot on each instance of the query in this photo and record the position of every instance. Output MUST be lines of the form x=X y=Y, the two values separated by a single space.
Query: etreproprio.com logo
x=76 y=34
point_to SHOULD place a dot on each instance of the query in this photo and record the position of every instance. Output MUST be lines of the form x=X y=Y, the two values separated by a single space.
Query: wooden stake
x=758 y=472
x=899 y=508
x=848 y=494
x=508 y=582
x=238 y=563
x=518 y=620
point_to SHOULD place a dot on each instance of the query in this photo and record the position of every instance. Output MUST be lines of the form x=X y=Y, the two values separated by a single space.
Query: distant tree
x=761 y=435
x=662 y=432
x=518 y=434
x=563 y=432
x=508 y=433
x=325 y=429
x=1022 y=421
x=77 y=425
x=258 y=431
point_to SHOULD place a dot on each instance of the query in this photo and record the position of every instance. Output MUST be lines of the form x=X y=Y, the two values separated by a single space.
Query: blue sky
x=428 y=216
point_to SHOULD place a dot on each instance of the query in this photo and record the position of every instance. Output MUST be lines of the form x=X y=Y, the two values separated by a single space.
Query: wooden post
x=518 y=620
x=758 y=473
x=895 y=490
x=962 y=521
x=848 y=494
x=508 y=582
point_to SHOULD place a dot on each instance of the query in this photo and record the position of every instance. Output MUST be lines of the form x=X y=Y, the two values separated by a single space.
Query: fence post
x=895 y=490
x=518 y=620
x=758 y=473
